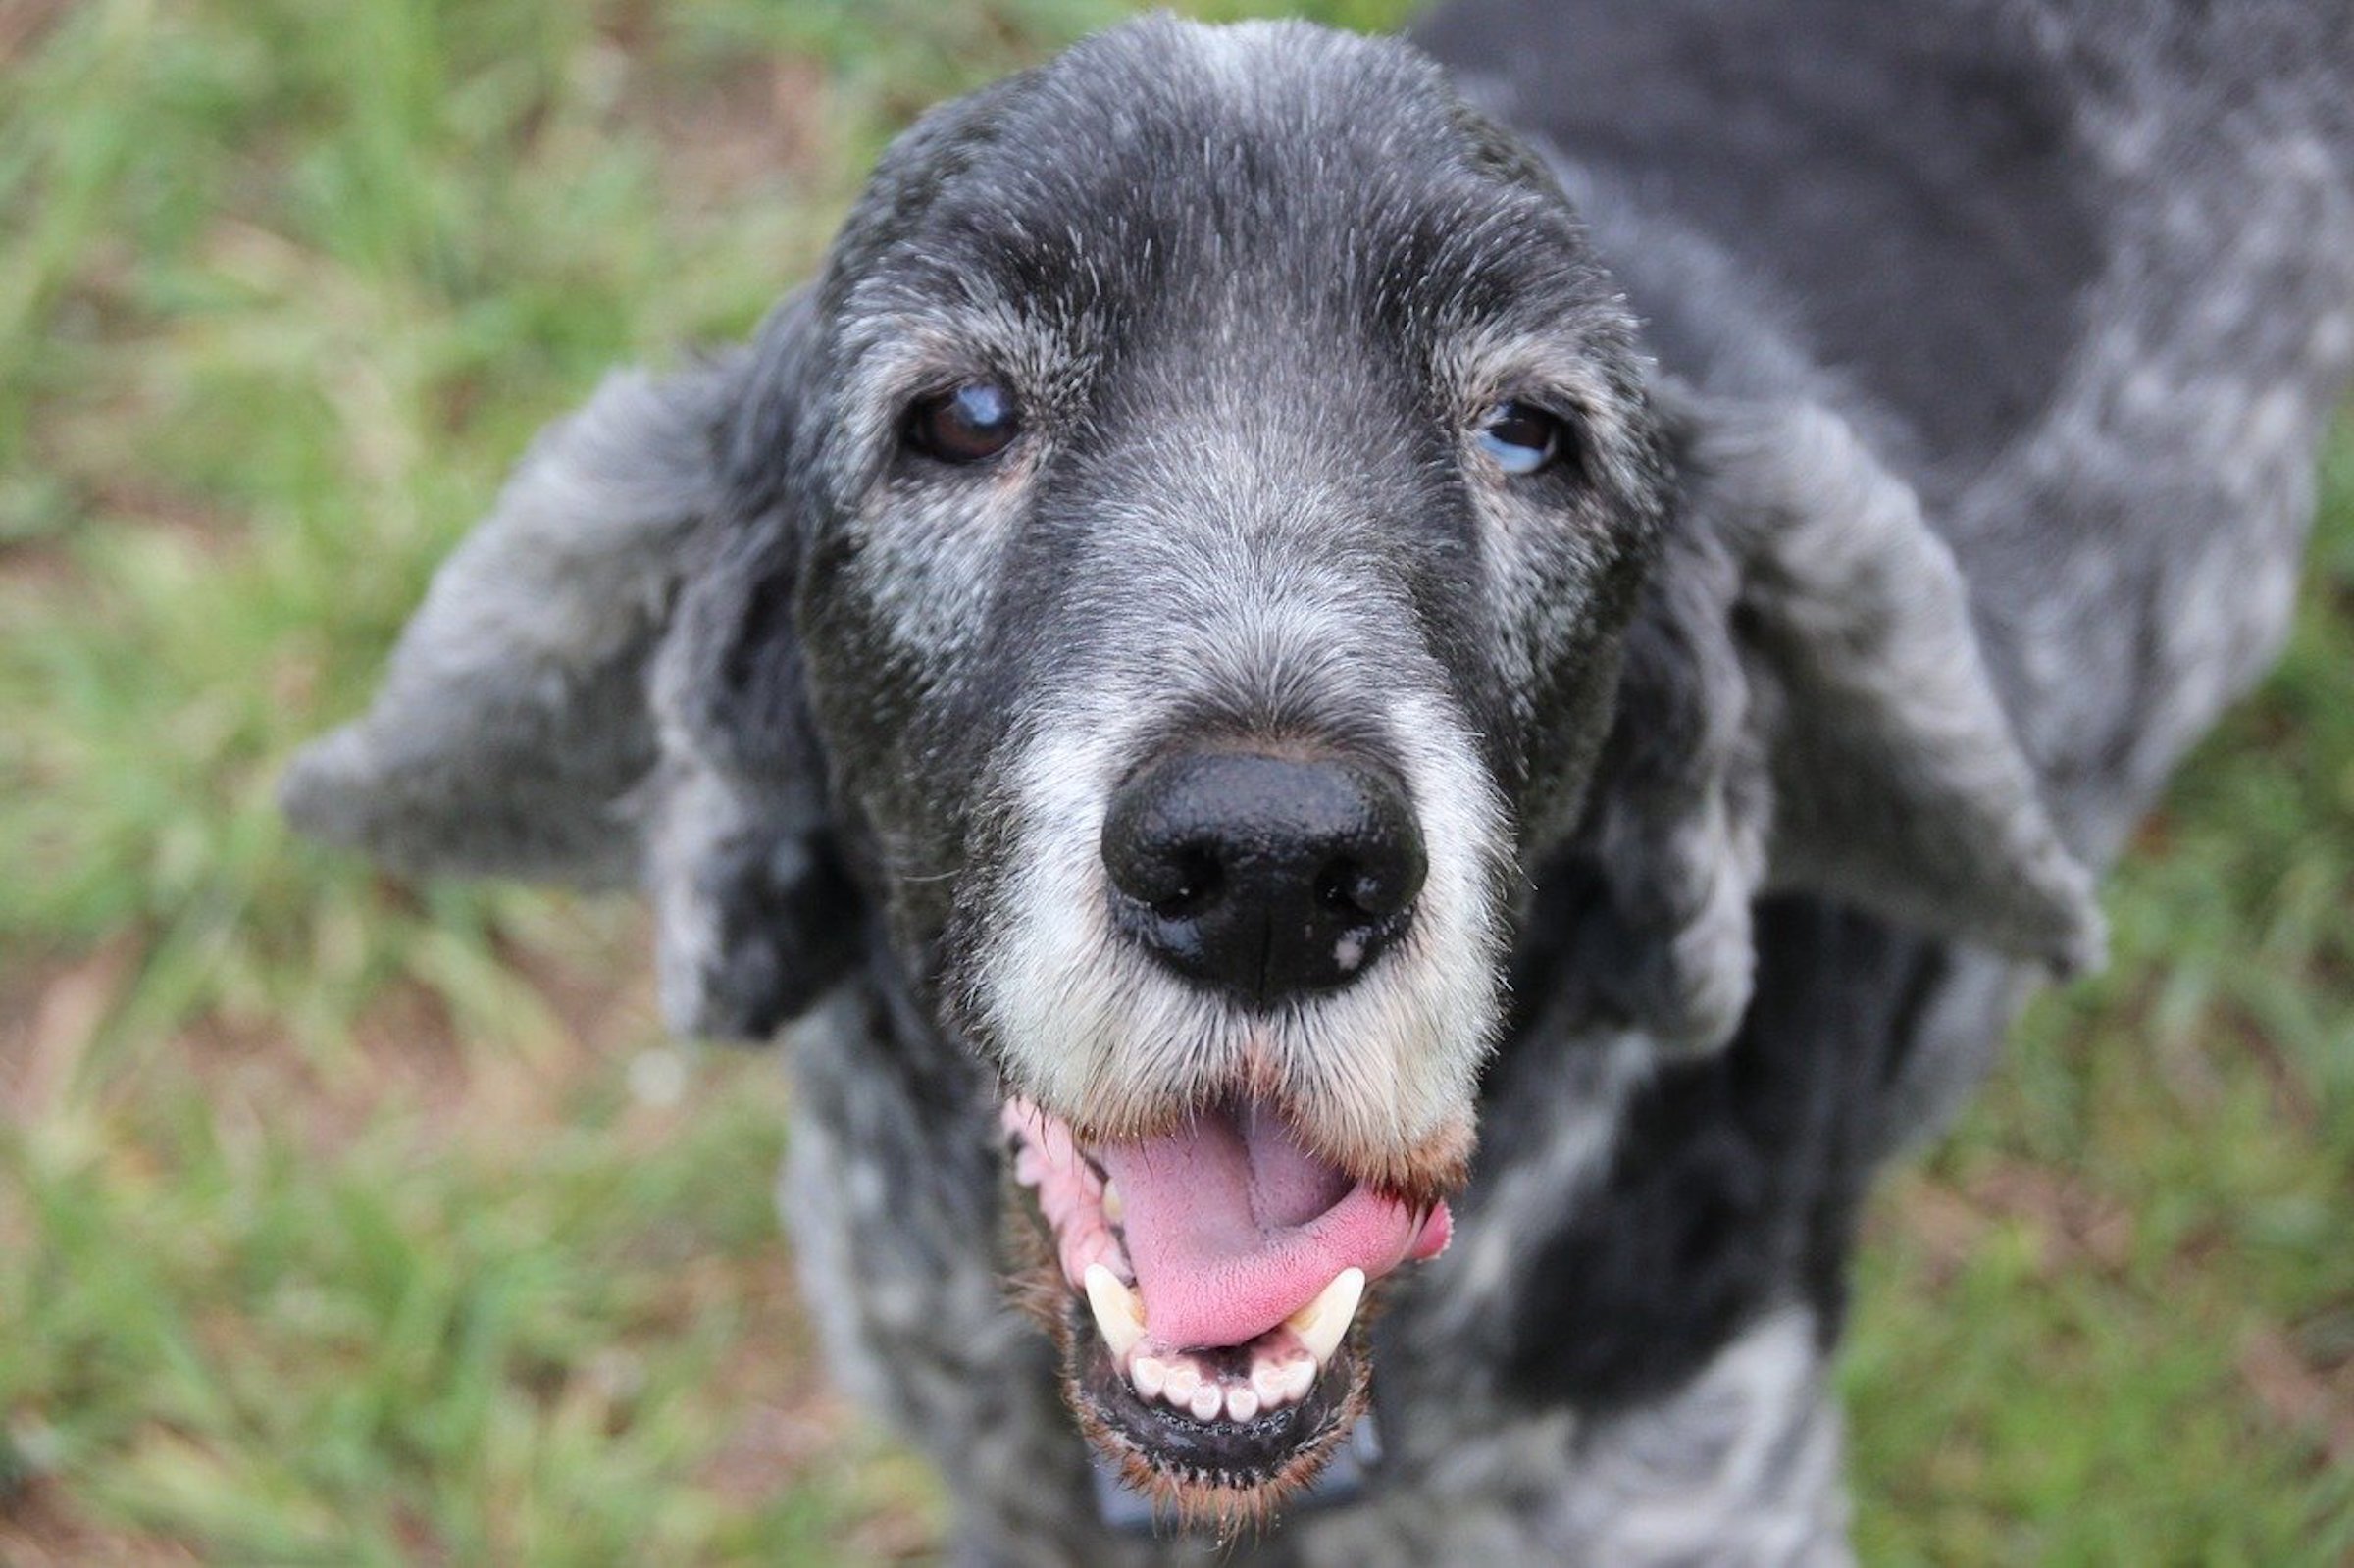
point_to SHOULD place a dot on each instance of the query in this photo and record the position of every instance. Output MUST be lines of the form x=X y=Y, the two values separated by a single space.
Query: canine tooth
x=1298 y=1379
x=1181 y=1381
x=1149 y=1375
x=1241 y=1403
x=1321 y=1323
x=1207 y=1403
x=1116 y=1209
x=1119 y=1316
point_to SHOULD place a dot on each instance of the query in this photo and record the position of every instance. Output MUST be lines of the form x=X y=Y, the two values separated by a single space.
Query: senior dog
x=1252 y=624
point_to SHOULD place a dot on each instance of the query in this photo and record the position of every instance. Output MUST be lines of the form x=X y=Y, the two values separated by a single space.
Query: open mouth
x=1208 y=1290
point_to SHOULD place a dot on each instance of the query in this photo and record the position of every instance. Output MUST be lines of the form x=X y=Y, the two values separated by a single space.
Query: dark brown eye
x=1522 y=437
x=965 y=424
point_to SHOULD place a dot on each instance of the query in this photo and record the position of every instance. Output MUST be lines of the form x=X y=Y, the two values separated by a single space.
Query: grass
x=350 y=1222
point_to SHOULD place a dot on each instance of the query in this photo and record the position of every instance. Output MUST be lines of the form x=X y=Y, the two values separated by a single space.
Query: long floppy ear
x=512 y=729
x=757 y=915
x=529 y=726
x=1804 y=706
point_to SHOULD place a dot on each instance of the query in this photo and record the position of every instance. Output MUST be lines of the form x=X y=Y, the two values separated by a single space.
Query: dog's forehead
x=1190 y=167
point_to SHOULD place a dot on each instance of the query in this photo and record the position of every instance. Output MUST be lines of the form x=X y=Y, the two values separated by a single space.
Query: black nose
x=1263 y=876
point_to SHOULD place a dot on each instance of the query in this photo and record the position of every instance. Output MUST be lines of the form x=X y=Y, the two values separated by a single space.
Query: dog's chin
x=1217 y=1474
x=1256 y=1387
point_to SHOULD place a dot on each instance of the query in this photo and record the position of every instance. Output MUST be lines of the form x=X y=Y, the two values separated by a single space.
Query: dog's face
x=1232 y=472
x=1204 y=544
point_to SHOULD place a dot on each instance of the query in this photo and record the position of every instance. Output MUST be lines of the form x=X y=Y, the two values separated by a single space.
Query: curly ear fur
x=602 y=688
x=756 y=913
x=511 y=729
x=1804 y=706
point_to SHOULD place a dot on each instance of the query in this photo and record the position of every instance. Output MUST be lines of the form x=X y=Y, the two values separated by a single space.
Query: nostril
x=1193 y=877
x=1369 y=889
x=1160 y=859
x=1348 y=890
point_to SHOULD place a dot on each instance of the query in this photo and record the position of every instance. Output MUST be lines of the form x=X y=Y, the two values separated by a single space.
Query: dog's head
x=1208 y=538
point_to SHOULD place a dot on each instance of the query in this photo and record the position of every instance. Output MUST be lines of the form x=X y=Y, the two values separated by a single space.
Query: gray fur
x=1841 y=734
x=1927 y=505
x=512 y=728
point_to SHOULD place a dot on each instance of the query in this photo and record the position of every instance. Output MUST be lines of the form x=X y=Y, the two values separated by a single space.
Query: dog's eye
x=965 y=424
x=1522 y=437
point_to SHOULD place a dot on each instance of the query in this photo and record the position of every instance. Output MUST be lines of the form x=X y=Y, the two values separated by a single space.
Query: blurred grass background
x=350 y=1222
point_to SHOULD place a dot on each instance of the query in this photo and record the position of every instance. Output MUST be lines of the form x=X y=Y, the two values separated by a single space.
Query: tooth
x=1298 y=1379
x=1119 y=1316
x=1321 y=1323
x=1241 y=1403
x=1271 y=1381
x=1182 y=1380
x=1207 y=1403
x=1116 y=1209
x=1150 y=1376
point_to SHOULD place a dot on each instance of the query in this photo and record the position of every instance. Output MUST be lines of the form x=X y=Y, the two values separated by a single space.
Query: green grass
x=343 y=1221
x=2112 y=1321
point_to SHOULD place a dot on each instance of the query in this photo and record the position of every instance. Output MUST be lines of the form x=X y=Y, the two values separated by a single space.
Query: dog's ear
x=756 y=915
x=542 y=715
x=1804 y=705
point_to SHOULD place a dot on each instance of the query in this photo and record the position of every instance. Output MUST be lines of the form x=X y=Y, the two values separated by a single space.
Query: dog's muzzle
x=1238 y=990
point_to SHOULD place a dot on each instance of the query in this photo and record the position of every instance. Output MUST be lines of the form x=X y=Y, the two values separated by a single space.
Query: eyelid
x=1545 y=399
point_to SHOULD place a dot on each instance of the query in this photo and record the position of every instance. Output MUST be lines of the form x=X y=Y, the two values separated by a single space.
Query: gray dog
x=1252 y=623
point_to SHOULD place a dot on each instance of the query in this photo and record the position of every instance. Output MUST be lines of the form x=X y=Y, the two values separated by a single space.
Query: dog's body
x=1767 y=804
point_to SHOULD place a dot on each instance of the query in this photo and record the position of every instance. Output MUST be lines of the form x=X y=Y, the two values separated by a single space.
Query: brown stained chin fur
x=1034 y=1275
x=1436 y=1168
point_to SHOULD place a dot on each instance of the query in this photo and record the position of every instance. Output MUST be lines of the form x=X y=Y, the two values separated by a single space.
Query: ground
x=345 y=1220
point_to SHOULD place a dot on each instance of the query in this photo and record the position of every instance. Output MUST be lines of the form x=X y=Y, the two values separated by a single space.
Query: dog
x=1383 y=758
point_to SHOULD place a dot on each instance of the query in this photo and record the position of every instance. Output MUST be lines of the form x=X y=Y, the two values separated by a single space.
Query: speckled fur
x=1945 y=470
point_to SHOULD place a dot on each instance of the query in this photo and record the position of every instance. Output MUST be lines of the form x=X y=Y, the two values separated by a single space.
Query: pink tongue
x=1232 y=1226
